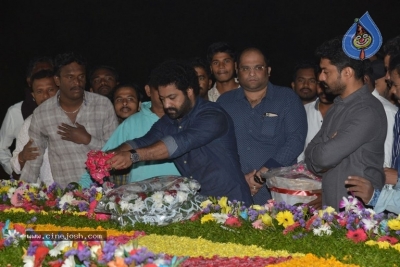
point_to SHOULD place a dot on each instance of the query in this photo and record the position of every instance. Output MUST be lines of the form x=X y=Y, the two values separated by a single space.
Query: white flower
x=157 y=197
x=122 y=249
x=169 y=199
x=43 y=195
x=194 y=185
x=11 y=192
x=69 y=262
x=99 y=189
x=29 y=261
x=54 y=252
x=34 y=185
x=67 y=198
x=138 y=206
x=219 y=217
x=369 y=224
x=124 y=205
x=322 y=230
x=93 y=251
x=110 y=205
x=182 y=196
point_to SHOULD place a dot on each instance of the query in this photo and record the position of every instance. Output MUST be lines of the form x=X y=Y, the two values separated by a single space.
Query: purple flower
x=31 y=250
x=84 y=254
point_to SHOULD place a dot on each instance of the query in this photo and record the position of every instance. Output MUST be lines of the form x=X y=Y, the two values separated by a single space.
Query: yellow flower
x=285 y=218
x=98 y=196
x=185 y=246
x=394 y=224
x=396 y=247
x=384 y=244
x=207 y=218
x=223 y=203
x=312 y=260
x=328 y=210
x=204 y=204
x=371 y=243
x=266 y=219
x=256 y=207
x=4 y=189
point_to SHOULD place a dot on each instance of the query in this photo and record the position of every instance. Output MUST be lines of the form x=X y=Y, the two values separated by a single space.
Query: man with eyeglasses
x=270 y=121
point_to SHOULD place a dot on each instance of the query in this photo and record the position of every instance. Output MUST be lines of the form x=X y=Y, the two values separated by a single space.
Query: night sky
x=134 y=36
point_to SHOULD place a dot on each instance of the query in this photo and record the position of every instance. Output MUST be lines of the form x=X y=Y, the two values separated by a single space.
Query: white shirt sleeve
x=9 y=130
x=22 y=140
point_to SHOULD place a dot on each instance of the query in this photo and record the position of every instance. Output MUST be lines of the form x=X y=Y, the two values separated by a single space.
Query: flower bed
x=224 y=233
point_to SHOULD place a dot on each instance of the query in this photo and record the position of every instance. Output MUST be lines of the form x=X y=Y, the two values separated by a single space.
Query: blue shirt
x=203 y=147
x=136 y=126
x=272 y=134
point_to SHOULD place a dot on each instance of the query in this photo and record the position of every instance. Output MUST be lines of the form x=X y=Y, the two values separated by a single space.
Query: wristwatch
x=134 y=156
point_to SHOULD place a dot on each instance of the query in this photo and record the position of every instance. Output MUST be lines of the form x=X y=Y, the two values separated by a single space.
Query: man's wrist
x=134 y=156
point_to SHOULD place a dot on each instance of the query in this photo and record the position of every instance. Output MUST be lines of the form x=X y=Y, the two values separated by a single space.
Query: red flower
x=291 y=228
x=357 y=236
x=1 y=243
x=56 y=263
x=233 y=221
x=391 y=240
x=310 y=222
x=40 y=255
x=51 y=203
x=196 y=216
x=19 y=228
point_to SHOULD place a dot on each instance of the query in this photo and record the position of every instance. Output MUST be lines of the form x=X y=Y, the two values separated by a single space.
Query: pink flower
x=17 y=194
x=102 y=217
x=258 y=224
x=357 y=236
x=233 y=222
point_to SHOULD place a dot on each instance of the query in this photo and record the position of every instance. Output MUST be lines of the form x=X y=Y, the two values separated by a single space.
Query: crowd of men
x=219 y=121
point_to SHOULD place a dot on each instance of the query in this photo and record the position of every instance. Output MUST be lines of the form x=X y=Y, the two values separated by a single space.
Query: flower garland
x=97 y=165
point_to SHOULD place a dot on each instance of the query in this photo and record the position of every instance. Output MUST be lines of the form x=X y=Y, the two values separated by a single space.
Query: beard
x=178 y=113
x=334 y=88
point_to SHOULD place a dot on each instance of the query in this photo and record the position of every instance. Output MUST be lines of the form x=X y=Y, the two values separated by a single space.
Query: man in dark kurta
x=352 y=136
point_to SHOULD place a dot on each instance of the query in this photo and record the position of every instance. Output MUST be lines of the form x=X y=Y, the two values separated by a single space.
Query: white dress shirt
x=390 y=111
x=314 y=120
x=22 y=139
x=9 y=130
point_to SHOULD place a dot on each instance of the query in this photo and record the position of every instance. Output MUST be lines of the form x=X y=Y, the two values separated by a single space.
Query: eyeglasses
x=255 y=68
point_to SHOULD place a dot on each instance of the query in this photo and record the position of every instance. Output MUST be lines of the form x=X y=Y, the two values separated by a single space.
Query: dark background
x=134 y=36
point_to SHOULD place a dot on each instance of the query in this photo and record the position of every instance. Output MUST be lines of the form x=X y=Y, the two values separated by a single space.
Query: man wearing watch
x=196 y=134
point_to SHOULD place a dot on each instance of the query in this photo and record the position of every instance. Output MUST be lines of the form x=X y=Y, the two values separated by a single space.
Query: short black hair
x=62 y=60
x=180 y=73
x=333 y=51
x=254 y=49
x=375 y=69
x=37 y=59
x=392 y=46
x=109 y=68
x=135 y=87
x=306 y=64
x=40 y=75
x=198 y=62
x=220 y=47
x=394 y=63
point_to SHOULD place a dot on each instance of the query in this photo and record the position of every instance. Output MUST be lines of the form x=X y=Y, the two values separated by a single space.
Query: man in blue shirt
x=197 y=134
x=270 y=121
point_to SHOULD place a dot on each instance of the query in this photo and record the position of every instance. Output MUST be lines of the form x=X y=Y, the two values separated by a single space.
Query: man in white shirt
x=222 y=59
x=14 y=118
x=375 y=79
x=316 y=111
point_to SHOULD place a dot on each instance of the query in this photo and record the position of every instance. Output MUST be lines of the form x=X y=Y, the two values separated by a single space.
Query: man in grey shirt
x=352 y=136
x=70 y=124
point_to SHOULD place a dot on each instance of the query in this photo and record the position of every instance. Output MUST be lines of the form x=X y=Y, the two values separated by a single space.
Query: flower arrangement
x=159 y=200
x=97 y=165
x=41 y=198
x=359 y=223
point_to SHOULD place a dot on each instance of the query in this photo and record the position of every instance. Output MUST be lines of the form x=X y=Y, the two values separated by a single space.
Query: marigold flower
x=394 y=224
